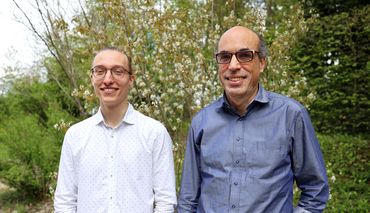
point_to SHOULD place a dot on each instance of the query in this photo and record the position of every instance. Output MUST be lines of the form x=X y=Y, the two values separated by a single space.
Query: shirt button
x=233 y=206
x=235 y=183
x=238 y=139
x=237 y=162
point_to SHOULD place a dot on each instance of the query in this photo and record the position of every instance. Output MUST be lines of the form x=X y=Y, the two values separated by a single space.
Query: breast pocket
x=268 y=152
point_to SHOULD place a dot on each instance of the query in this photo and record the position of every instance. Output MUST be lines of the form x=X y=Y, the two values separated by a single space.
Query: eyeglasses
x=117 y=72
x=242 y=56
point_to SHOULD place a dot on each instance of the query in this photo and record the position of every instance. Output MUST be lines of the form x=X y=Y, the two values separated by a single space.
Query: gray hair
x=262 y=48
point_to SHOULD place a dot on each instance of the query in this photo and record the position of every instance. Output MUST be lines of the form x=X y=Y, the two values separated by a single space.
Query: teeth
x=236 y=79
x=109 y=89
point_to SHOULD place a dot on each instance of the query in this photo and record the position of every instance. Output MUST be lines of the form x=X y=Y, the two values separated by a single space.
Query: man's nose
x=108 y=77
x=234 y=63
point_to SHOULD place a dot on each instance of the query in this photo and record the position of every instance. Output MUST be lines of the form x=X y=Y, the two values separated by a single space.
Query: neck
x=240 y=103
x=113 y=115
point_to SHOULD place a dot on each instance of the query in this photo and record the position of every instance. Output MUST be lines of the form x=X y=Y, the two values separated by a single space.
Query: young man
x=118 y=160
x=245 y=150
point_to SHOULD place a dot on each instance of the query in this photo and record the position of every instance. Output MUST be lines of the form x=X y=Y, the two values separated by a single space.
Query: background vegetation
x=318 y=54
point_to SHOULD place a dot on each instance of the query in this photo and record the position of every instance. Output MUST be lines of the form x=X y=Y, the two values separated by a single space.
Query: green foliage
x=281 y=37
x=173 y=48
x=347 y=162
x=333 y=56
x=34 y=155
x=331 y=7
x=29 y=142
x=278 y=11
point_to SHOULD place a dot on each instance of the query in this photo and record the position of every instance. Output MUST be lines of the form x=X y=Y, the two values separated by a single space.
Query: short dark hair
x=131 y=71
x=262 y=48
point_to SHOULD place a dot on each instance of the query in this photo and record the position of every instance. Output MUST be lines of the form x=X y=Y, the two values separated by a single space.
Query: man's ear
x=131 y=82
x=91 y=79
x=263 y=63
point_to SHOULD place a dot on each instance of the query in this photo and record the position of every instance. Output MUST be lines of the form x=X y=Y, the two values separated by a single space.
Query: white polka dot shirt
x=124 y=169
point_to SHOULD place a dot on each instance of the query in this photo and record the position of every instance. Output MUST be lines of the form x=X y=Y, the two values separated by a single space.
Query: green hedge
x=334 y=58
x=347 y=162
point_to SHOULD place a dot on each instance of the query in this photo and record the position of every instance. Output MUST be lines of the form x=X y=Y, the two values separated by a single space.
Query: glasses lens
x=99 y=72
x=223 y=58
x=118 y=72
x=244 y=56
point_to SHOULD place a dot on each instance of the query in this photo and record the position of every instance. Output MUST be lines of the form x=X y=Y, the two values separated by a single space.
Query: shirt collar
x=261 y=97
x=129 y=117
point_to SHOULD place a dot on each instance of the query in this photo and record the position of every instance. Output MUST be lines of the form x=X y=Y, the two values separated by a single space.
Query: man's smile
x=235 y=78
x=108 y=89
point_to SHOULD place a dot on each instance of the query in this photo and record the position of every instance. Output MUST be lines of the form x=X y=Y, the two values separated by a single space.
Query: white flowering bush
x=172 y=51
x=277 y=76
x=172 y=46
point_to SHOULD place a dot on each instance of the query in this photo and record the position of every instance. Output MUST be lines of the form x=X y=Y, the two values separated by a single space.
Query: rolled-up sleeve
x=66 y=192
x=308 y=165
x=191 y=180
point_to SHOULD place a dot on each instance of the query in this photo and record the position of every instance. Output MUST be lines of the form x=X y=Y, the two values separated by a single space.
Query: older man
x=245 y=150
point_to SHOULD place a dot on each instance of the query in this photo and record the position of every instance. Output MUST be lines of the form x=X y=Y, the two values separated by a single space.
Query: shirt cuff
x=300 y=210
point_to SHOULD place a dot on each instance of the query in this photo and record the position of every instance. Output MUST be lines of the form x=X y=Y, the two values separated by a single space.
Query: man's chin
x=233 y=91
x=108 y=100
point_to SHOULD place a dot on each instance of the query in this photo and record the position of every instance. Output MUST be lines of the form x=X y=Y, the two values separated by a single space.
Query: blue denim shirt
x=249 y=163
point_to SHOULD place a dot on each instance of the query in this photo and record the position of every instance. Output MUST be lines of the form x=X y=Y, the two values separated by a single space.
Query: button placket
x=112 y=184
x=238 y=159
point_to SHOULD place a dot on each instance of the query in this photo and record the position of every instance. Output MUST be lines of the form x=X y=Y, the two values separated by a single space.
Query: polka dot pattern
x=124 y=169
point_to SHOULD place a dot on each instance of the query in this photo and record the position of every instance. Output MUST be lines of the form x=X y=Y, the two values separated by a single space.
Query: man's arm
x=66 y=193
x=164 y=174
x=190 y=181
x=308 y=166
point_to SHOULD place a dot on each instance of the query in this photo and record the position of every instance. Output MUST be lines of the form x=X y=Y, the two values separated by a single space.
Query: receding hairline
x=261 y=41
x=237 y=29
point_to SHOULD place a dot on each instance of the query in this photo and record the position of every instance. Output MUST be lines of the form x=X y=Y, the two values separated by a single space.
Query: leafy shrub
x=347 y=163
x=33 y=152
x=334 y=58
